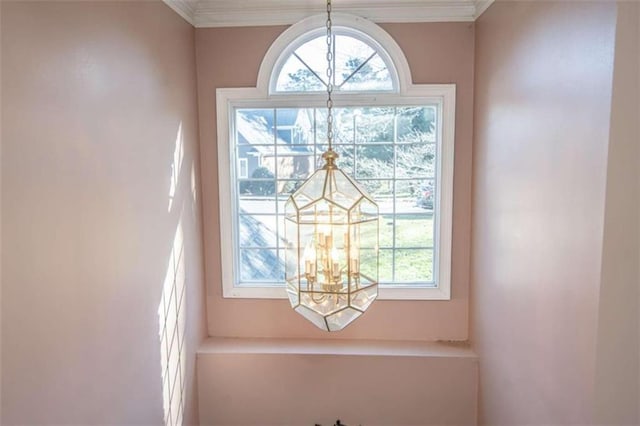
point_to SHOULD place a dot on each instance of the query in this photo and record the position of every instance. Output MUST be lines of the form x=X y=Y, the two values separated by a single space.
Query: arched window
x=359 y=64
x=394 y=137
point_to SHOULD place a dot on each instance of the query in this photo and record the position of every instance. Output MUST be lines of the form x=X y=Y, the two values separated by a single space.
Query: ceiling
x=235 y=13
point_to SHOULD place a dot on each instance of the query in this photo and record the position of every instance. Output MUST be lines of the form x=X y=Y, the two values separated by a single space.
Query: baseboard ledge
x=226 y=345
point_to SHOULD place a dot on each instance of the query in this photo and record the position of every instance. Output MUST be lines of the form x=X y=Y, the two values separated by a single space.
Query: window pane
x=414 y=231
x=385 y=203
x=376 y=125
x=249 y=203
x=387 y=224
x=258 y=231
x=263 y=185
x=293 y=164
x=263 y=265
x=385 y=266
x=414 y=195
x=345 y=122
x=345 y=161
x=294 y=126
x=285 y=190
x=243 y=168
x=417 y=124
x=351 y=54
x=378 y=189
x=279 y=272
x=374 y=161
x=254 y=127
x=413 y=266
x=296 y=77
x=416 y=160
x=373 y=75
x=314 y=54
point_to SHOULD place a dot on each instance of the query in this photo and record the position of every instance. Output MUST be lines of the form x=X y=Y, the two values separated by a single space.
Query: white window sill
x=222 y=345
x=385 y=293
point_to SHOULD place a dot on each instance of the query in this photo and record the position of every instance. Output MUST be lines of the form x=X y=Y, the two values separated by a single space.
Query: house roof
x=258 y=132
x=284 y=117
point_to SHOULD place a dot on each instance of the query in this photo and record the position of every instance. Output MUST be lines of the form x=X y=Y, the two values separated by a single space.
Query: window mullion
x=357 y=69
x=395 y=139
x=236 y=196
x=275 y=179
x=355 y=148
x=309 y=68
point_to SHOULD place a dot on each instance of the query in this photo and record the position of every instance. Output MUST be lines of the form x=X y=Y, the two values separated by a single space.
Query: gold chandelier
x=331 y=229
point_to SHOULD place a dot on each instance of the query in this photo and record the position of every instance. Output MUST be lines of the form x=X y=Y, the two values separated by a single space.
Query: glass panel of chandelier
x=389 y=150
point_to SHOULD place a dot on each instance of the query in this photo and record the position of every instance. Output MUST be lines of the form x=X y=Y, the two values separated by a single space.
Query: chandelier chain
x=330 y=78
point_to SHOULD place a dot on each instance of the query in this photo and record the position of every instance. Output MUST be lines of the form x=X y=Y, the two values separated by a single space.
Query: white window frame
x=408 y=94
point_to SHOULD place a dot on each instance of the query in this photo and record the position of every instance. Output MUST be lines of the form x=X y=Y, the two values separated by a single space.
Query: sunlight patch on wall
x=194 y=192
x=171 y=322
x=176 y=166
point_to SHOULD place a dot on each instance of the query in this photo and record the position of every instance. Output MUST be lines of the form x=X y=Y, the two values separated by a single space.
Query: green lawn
x=411 y=264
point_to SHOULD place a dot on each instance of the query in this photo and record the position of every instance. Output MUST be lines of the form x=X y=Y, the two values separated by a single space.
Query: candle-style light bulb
x=335 y=269
x=324 y=237
x=323 y=231
x=310 y=260
x=354 y=259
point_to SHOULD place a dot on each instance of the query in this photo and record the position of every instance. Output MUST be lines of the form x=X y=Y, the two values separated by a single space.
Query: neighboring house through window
x=394 y=137
x=243 y=168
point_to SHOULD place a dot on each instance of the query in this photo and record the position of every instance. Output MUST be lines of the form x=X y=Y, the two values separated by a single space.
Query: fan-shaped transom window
x=359 y=65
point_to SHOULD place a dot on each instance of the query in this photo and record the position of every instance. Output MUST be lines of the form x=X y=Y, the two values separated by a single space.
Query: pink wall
x=304 y=382
x=437 y=53
x=618 y=347
x=93 y=97
x=543 y=77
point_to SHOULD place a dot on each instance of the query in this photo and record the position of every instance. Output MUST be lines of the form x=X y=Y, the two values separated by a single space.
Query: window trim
x=405 y=93
x=227 y=99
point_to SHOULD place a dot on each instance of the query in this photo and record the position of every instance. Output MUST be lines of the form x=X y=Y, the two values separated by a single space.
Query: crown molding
x=239 y=13
x=481 y=6
x=184 y=8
